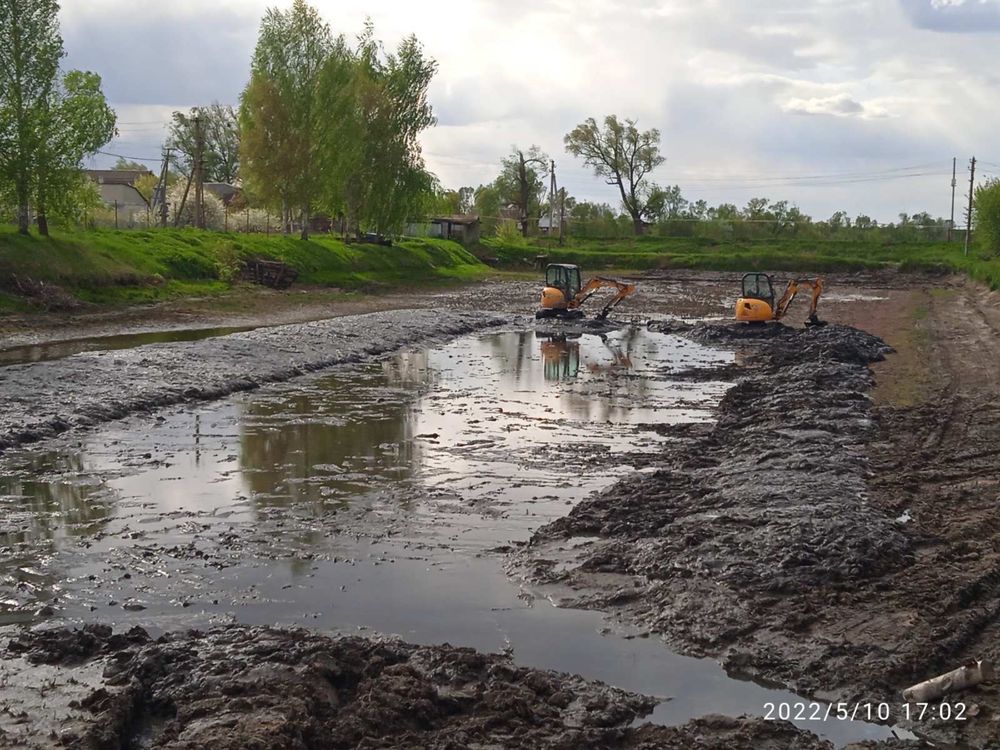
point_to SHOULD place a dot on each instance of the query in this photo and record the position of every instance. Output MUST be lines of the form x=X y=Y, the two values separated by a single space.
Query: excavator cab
x=756 y=304
x=562 y=286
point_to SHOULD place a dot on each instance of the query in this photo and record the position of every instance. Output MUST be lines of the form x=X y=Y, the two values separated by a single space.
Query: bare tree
x=624 y=157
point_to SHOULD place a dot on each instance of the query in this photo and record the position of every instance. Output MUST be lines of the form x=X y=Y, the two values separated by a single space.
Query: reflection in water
x=437 y=439
x=325 y=444
x=561 y=358
x=50 y=496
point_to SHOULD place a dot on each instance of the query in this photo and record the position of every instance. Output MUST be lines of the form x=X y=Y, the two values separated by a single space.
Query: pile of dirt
x=240 y=687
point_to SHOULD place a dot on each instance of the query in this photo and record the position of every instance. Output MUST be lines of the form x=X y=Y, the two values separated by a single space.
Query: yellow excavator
x=757 y=305
x=563 y=294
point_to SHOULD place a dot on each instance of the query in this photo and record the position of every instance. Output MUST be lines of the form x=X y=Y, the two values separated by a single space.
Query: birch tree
x=30 y=50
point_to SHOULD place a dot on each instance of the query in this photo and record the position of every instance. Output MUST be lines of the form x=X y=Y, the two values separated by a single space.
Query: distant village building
x=223 y=191
x=463 y=228
x=548 y=224
x=117 y=190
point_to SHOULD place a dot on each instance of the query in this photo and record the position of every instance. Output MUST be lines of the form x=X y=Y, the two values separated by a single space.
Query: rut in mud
x=239 y=687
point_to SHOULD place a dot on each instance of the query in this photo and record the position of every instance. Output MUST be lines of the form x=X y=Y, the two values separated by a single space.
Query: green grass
x=123 y=267
x=772 y=255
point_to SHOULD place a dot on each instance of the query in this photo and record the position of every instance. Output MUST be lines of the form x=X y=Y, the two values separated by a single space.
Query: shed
x=464 y=228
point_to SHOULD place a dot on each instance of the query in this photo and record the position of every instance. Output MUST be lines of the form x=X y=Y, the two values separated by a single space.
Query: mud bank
x=239 y=687
x=750 y=533
x=44 y=399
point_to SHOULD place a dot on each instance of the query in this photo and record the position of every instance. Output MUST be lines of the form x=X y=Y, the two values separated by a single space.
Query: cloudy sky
x=857 y=105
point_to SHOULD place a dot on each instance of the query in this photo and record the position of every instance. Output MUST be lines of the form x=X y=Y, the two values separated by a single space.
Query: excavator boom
x=816 y=285
x=599 y=282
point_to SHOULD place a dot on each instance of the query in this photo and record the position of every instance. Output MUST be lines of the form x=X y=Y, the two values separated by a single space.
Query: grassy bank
x=135 y=266
x=748 y=255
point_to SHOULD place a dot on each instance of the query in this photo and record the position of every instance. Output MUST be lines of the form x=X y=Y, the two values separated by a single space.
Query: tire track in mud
x=45 y=399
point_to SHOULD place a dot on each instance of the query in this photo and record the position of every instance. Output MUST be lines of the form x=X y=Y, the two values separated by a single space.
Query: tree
x=30 y=50
x=698 y=210
x=756 y=209
x=522 y=183
x=624 y=157
x=986 y=213
x=453 y=201
x=221 y=131
x=279 y=117
x=393 y=110
x=122 y=163
x=486 y=201
x=724 y=212
x=75 y=121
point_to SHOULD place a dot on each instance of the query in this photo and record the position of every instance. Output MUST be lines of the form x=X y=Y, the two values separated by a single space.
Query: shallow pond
x=376 y=497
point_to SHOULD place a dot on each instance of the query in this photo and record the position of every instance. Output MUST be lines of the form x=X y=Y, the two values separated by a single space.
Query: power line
x=132 y=158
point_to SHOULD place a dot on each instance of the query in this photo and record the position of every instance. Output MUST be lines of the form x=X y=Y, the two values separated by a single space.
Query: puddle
x=19 y=355
x=369 y=499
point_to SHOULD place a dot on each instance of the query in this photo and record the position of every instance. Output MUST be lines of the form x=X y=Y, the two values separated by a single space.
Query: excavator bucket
x=813 y=320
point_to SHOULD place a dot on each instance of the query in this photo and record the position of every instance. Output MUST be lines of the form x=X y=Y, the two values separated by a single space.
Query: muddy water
x=17 y=355
x=370 y=499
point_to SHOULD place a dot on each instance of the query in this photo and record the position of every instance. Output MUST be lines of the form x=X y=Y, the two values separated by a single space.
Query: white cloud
x=888 y=84
x=838 y=105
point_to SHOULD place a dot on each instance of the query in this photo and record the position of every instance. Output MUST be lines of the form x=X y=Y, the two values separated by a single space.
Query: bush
x=215 y=215
x=987 y=215
x=507 y=231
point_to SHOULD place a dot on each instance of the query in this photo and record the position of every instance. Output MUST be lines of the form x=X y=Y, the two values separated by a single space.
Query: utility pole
x=199 y=174
x=951 y=223
x=160 y=192
x=968 y=215
x=553 y=195
x=562 y=213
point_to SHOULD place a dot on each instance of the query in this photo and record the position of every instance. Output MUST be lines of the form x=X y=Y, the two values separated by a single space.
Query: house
x=223 y=191
x=116 y=176
x=464 y=228
x=117 y=190
x=550 y=224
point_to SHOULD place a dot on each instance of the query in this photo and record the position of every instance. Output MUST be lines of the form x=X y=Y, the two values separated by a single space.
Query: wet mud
x=240 y=687
x=765 y=540
x=48 y=398
x=809 y=538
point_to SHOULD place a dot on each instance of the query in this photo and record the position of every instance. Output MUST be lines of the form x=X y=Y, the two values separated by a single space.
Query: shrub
x=987 y=215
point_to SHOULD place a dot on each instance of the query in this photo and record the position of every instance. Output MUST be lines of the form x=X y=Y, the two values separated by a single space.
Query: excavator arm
x=816 y=285
x=596 y=283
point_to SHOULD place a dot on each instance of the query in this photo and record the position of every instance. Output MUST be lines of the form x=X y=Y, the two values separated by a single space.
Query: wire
x=132 y=158
x=807 y=183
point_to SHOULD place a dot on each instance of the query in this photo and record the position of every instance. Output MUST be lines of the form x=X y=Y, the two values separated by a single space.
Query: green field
x=135 y=266
x=773 y=255
x=121 y=267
